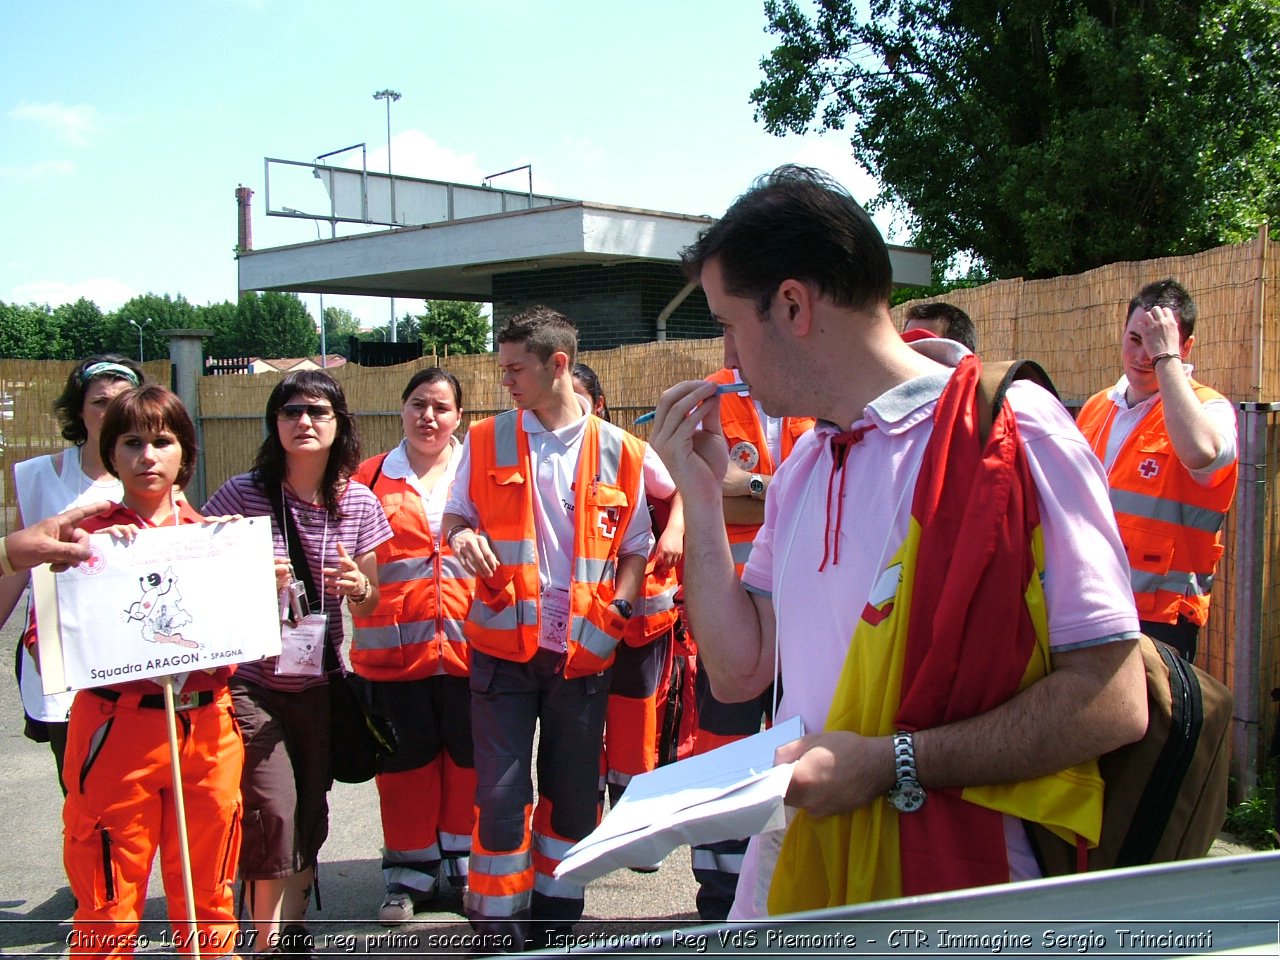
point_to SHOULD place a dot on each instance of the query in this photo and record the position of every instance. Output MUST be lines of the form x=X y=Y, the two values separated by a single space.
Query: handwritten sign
x=173 y=600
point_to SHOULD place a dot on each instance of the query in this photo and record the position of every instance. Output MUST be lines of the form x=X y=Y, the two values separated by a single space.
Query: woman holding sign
x=120 y=805
x=49 y=484
x=413 y=651
x=325 y=528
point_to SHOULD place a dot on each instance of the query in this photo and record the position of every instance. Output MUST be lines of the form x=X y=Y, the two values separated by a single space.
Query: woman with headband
x=50 y=484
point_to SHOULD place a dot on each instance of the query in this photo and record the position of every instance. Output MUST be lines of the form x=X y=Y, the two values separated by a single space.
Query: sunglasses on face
x=314 y=411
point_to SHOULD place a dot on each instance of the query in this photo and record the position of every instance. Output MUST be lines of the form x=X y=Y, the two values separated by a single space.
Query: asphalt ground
x=36 y=904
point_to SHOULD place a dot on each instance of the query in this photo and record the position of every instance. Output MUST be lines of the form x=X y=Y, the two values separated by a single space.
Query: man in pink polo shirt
x=799 y=278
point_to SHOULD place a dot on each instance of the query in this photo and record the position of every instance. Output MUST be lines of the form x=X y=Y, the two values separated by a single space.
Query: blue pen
x=740 y=387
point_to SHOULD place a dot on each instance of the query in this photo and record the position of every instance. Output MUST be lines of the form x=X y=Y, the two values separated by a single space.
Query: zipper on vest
x=108 y=878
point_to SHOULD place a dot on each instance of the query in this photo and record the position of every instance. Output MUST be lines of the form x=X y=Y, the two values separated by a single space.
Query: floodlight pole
x=390 y=96
x=139 y=329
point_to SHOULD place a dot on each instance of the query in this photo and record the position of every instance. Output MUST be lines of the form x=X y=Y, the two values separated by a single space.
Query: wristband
x=6 y=567
x=1163 y=356
x=453 y=532
x=364 y=593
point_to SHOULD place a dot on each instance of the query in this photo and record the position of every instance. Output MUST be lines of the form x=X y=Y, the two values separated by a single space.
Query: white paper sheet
x=732 y=791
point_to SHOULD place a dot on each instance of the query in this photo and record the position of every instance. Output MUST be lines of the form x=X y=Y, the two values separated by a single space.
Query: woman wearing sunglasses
x=331 y=524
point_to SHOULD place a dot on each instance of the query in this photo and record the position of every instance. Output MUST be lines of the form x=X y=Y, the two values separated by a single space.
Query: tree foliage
x=340 y=325
x=454 y=326
x=1044 y=136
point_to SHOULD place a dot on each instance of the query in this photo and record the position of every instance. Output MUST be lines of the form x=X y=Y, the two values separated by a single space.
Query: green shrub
x=1253 y=820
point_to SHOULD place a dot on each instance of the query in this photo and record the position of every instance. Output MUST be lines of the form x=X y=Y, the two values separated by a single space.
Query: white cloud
x=32 y=171
x=414 y=154
x=73 y=124
x=107 y=292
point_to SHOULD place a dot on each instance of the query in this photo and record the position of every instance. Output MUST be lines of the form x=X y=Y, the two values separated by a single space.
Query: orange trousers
x=120 y=809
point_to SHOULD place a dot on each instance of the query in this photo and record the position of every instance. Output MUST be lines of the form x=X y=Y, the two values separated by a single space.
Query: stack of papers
x=732 y=791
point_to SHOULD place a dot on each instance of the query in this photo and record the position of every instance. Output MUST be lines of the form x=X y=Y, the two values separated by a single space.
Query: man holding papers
x=948 y=698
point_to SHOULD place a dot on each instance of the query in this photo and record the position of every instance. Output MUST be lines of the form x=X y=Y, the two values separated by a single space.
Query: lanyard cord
x=324 y=540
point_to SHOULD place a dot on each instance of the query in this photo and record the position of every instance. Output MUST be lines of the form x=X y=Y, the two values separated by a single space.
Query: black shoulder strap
x=994 y=384
x=301 y=569
x=377 y=471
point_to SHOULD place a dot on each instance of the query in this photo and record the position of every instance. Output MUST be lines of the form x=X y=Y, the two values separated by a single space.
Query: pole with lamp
x=324 y=346
x=139 y=329
x=390 y=96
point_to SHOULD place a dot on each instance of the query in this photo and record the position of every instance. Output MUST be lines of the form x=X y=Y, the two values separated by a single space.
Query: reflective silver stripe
x=506 y=449
x=1167 y=511
x=421 y=879
x=455 y=844
x=1175 y=581
x=401 y=571
x=549 y=886
x=552 y=847
x=451 y=568
x=376 y=638
x=489 y=908
x=610 y=466
x=721 y=862
x=455 y=631
x=657 y=603
x=411 y=856
x=588 y=635
x=454 y=870
x=587 y=570
x=619 y=778
x=502 y=864
x=508 y=618
x=514 y=552
x=741 y=552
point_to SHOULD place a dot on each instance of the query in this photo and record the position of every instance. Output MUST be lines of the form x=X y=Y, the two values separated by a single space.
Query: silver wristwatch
x=755 y=486
x=907 y=794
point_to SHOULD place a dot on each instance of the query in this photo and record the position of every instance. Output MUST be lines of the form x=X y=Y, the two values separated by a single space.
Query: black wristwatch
x=906 y=795
x=755 y=486
x=623 y=607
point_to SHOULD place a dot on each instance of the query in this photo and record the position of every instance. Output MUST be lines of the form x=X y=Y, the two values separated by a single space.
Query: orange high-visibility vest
x=655 y=609
x=1170 y=524
x=505 y=614
x=749 y=449
x=416 y=630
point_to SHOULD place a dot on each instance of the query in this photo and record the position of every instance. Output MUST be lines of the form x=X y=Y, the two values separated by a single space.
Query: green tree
x=224 y=320
x=23 y=331
x=81 y=330
x=340 y=325
x=147 y=315
x=274 y=325
x=1044 y=136
x=454 y=326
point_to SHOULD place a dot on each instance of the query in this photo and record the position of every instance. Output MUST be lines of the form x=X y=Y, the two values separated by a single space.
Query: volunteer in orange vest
x=548 y=512
x=413 y=650
x=757 y=444
x=643 y=659
x=1168 y=444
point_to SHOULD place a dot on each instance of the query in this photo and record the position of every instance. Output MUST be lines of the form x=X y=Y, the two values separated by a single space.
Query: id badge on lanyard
x=554 y=621
x=302 y=646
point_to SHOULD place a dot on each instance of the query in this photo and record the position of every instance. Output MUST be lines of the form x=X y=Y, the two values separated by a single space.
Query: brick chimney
x=244 y=241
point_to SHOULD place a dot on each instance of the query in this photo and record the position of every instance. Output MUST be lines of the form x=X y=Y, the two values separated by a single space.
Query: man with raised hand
x=960 y=647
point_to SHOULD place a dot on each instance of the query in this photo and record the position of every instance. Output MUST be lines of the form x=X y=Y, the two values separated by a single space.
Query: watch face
x=756 y=486
x=908 y=796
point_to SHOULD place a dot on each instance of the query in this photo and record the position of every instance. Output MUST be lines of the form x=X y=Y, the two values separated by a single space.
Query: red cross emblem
x=1148 y=468
x=608 y=522
x=95 y=562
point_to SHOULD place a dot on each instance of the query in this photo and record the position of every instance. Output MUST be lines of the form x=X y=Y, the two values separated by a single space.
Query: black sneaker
x=296 y=940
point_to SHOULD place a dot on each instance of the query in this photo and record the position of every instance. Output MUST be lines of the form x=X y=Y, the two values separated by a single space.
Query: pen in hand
x=740 y=387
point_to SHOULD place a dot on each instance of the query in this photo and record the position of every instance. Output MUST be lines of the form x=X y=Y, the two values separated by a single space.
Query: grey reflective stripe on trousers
x=500 y=865
x=1175 y=581
x=741 y=552
x=701 y=859
x=402 y=571
x=506 y=449
x=588 y=635
x=1167 y=511
x=497 y=907
x=554 y=849
x=589 y=570
x=508 y=618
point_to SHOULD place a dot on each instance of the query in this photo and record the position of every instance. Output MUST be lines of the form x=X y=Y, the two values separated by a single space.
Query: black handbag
x=359 y=739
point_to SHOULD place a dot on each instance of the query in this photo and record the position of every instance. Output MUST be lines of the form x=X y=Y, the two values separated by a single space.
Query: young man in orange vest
x=959 y=651
x=757 y=444
x=548 y=512
x=1168 y=445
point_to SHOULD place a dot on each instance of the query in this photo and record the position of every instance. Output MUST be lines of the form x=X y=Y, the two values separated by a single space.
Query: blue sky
x=126 y=126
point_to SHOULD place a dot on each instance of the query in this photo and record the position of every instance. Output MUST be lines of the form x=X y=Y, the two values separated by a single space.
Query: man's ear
x=559 y=363
x=796 y=301
x=1185 y=347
